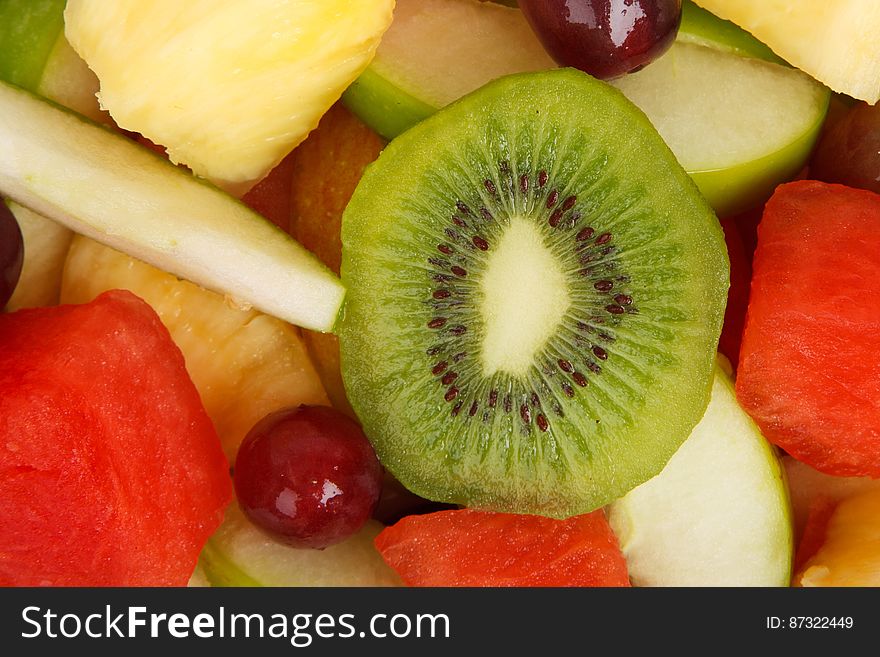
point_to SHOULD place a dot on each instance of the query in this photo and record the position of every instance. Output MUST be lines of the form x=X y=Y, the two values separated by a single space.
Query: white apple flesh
x=239 y=554
x=717 y=515
x=105 y=186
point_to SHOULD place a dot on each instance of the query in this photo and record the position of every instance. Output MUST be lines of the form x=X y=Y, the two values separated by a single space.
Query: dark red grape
x=849 y=153
x=605 y=38
x=308 y=476
x=11 y=253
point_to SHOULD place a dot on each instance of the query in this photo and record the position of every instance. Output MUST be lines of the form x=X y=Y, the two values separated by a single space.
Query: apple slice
x=717 y=515
x=424 y=62
x=104 y=186
x=703 y=28
x=36 y=56
x=738 y=124
x=239 y=554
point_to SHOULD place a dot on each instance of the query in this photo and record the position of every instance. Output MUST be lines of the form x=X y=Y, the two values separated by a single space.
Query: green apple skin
x=385 y=107
x=697 y=96
x=733 y=190
x=35 y=55
x=239 y=554
x=718 y=514
x=103 y=185
x=29 y=30
x=703 y=28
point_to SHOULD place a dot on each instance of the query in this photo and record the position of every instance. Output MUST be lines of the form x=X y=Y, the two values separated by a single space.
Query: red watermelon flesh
x=809 y=370
x=479 y=548
x=111 y=473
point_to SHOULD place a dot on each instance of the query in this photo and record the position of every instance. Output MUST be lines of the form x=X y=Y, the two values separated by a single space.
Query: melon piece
x=244 y=364
x=835 y=41
x=810 y=489
x=111 y=473
x=808 y=372
x=850 y=553
x=326 y=168
x=479 y=548
x=228 y=87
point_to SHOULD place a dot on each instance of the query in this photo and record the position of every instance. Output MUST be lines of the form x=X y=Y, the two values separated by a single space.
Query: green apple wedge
x=105 y=186
x=239 y=554
x=35 y=55
x=738 y=120
x=718 y=514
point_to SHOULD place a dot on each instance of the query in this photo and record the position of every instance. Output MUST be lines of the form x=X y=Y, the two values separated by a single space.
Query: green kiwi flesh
x=535 y=295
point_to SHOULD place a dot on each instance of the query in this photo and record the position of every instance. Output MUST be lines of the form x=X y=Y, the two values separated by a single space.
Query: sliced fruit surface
x=45 y=248
x=718 y=514
x=35 y=55
x=239 y=554
x=738 y=125
x=28 y=32
x=835 y=41
x=703 y=28
x=244 y=364
x=112 y=474
x=229 y=88
x=533 y=291
x=105 y=186
x=422 y=64
x=808 y=372
x=477 y=548
x=850 y=553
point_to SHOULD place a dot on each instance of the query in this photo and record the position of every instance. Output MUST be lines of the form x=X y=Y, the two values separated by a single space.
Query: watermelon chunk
x=479 y=548
x=809 y=370
x=111 y=473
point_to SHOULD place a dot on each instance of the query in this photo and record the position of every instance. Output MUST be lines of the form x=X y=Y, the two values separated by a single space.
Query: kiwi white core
x=524 y=298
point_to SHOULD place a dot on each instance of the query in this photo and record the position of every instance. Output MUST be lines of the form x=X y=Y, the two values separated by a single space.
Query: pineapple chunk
x=243 y=363
x=850 y=555
x=835 y=41
x=228 y=87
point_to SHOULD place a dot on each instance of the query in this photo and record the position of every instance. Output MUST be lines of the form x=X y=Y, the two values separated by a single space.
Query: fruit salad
x=345 y=294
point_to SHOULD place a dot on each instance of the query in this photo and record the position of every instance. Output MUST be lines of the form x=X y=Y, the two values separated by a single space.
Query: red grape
x=308 y=476
x=605 y=38
x=849 y=153
x=11 y=253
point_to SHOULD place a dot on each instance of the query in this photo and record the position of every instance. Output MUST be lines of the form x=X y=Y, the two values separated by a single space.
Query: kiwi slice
x=535 y=295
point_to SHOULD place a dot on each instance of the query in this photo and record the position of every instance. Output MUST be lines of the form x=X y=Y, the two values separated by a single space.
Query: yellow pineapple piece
x=850 y=555
x=835 y=41
x=243 y=363
x=229 y=87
